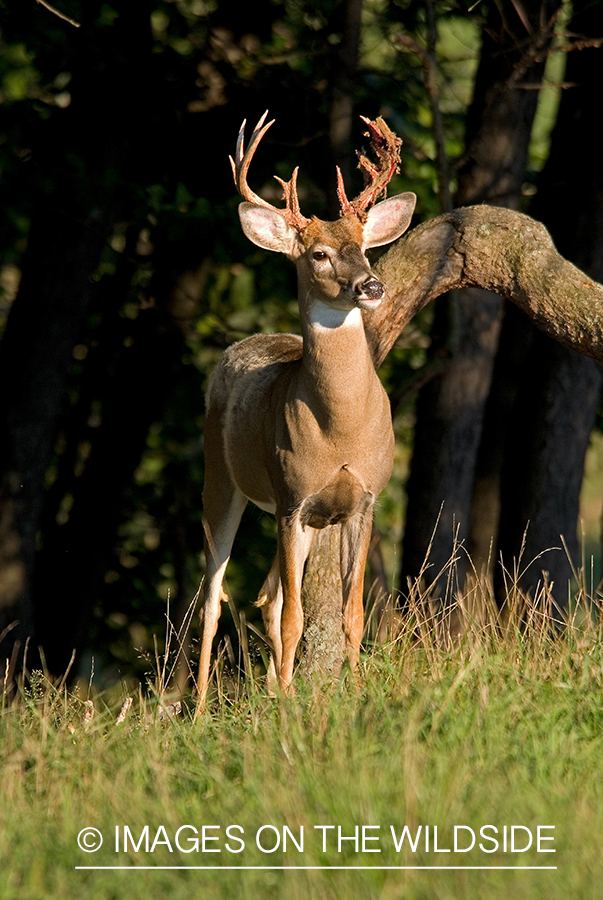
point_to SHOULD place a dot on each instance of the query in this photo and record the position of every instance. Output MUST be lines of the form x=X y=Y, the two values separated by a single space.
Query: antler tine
x=386 y=146
x=291 y=213
x=346 y=206
x=243 y=159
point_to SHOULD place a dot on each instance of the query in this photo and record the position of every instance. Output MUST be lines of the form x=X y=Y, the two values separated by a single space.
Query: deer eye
x=319 y=254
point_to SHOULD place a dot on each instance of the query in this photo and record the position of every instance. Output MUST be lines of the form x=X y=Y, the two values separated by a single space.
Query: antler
x=387 y=150
x=292 y=213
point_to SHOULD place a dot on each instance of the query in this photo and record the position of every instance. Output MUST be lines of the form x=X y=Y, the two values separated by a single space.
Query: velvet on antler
x=386 y=146
x=377 y=175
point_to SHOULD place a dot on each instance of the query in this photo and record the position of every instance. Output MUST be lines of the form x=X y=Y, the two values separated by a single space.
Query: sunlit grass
x=460 y=719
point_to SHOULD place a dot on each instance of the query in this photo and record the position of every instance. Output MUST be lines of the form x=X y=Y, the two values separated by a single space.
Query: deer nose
x=369 y=288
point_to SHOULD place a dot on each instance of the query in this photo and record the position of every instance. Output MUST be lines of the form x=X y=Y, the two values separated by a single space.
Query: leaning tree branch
x=58 y=13
x=496 y=249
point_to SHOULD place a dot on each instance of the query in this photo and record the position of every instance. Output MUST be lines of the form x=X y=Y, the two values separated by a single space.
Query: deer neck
x=338 y=378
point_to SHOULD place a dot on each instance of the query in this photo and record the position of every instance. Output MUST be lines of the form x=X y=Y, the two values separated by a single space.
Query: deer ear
x=389 y=219
x=266 y=228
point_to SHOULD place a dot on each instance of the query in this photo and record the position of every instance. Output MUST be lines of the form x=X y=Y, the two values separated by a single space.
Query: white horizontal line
x=314 y=868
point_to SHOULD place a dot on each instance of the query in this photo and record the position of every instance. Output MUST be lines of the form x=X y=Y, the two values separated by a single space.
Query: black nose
x=371 y=288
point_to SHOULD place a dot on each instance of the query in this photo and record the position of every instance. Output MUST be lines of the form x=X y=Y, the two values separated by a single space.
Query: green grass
x=502 y=727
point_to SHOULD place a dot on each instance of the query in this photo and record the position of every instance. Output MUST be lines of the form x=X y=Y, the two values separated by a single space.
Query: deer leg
x=294 y=544
x=355 y=539
x=270 y=601
x=223 y=508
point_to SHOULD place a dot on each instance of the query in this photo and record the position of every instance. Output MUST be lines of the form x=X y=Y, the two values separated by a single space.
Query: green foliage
x=131 y=118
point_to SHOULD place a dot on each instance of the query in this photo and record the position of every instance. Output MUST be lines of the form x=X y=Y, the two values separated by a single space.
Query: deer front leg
x=355 y=539
x=294 y=544
x=224 y=505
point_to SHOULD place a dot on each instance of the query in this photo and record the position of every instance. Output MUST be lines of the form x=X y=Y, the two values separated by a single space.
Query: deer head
x=330 y=256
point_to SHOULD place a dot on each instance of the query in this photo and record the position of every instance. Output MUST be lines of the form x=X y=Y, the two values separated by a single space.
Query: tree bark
x=322 y=646
x=43 y=327
x=543 y=467
x=556 y=405
x=499 y=250
x=78 y=554
x=78 y=186
x=450 y=407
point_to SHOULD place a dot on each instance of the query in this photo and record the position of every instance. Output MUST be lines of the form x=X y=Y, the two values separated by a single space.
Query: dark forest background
x=124 y=274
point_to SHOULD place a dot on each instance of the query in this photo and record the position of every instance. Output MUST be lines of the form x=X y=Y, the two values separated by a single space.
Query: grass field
x=503 y=728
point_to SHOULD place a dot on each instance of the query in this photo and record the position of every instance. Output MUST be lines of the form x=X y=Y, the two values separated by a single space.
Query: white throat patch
x=324 y=316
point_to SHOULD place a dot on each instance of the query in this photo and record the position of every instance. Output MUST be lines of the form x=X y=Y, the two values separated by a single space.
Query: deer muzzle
x=372 y=289
x=369 y=293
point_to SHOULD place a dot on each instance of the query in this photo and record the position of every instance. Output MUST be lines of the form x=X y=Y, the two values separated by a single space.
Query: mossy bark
x=500 y=250
x=322 y=647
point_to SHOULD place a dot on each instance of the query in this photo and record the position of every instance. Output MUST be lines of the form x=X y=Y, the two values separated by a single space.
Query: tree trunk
x=42 y=329
x=78 y=554
x=322 y=645
x=450 y=408
x=81 y=151
x=543 y=466
x=557 y=402
x=513 y=347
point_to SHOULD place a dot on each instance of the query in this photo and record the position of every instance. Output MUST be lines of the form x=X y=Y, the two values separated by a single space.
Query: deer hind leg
x=270 y=601
x=355 y=539
x=294 y=542
x=223 y=508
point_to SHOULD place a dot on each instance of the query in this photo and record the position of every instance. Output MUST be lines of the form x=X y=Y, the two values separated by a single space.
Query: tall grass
x=464 y=718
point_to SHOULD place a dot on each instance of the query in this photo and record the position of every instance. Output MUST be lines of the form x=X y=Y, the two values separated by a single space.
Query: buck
x=301 y=426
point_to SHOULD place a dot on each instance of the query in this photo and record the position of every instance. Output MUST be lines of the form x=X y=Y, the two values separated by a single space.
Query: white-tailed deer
x=301 y=426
